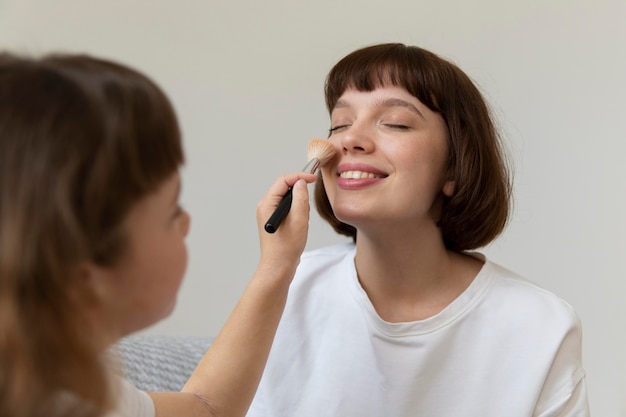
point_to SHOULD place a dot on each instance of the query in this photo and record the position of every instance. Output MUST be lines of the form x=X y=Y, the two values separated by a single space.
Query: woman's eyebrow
x=396 y=102
x=341 y=104
x=389 y=102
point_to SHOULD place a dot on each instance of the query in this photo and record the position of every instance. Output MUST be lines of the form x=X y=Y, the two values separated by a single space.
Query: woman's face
x=143 y=285
x=391 y=164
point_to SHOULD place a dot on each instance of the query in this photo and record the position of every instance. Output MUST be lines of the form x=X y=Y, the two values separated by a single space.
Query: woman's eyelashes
x=396 y=126
x=334 y=129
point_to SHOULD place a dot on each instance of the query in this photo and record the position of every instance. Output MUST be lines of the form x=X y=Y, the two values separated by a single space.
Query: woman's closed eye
x=337 y=128
x=396 y=126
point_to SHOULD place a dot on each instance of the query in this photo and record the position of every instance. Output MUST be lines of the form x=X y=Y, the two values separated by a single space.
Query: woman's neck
x=410 y=277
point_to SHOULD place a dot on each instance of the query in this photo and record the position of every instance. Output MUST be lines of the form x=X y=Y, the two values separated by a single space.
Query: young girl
x=405 y=320
x=92 y=245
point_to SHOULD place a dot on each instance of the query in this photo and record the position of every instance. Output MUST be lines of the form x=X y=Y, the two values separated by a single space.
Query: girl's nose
x=185 y=223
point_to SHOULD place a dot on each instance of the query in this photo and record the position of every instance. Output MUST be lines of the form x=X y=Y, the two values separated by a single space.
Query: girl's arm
x=226 y=379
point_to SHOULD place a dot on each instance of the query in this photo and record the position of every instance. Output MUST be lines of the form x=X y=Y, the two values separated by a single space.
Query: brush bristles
x=321 y=149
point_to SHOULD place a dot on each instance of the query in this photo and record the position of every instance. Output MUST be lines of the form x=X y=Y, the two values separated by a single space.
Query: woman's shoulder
x=334 y=249
x=328 y=254
x=325 y=264
x=526 y=297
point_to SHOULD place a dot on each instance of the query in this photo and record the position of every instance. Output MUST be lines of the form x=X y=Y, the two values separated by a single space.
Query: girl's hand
x=280 y=251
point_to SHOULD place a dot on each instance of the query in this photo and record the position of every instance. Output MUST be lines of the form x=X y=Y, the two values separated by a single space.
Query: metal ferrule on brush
x=311 y=166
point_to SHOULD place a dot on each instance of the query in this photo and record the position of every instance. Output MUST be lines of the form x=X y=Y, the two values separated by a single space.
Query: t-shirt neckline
x=451 y=313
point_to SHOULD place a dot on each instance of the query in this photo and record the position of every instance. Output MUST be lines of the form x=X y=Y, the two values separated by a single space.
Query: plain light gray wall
x=246 y=78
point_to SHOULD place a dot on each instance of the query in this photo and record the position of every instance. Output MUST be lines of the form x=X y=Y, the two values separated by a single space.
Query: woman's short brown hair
x=82 y=139
x=479 y=207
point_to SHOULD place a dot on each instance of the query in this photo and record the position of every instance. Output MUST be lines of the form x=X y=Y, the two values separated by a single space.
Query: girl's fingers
x=278 y=189
x=300 y=197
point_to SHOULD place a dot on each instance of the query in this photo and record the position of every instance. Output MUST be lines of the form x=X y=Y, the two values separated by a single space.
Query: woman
x=405 y=320
x=92 y=245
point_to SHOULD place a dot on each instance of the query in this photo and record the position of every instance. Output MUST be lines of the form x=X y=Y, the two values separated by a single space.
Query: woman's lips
x=353 y=176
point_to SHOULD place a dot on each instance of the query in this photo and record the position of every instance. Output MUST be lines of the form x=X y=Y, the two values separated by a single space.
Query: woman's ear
x=448 y=188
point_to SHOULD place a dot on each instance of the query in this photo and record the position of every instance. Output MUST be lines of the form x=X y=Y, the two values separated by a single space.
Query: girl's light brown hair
x=81 y=140
x=479 y=208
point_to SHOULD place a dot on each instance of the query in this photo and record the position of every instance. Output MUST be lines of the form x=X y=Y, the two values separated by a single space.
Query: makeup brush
x=320 y=152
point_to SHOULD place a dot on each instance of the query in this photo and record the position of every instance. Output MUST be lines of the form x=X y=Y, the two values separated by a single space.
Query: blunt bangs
x=383 y=65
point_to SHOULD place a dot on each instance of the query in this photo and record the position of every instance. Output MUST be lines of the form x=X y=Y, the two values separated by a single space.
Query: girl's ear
x=448 y=188
x=94 y=295
x=93 y=283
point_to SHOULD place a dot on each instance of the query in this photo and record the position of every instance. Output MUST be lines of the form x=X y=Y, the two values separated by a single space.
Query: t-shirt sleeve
x=570 y=404
x=565 y=392
x=133 y=402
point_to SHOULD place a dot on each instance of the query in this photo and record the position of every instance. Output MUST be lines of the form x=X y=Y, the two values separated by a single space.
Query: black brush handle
x=280 y=213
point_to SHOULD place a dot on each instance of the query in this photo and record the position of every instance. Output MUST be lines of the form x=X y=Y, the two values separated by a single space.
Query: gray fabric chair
x=159 y=363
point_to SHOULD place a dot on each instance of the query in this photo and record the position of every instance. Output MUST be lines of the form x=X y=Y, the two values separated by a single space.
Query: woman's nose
x=357 y=138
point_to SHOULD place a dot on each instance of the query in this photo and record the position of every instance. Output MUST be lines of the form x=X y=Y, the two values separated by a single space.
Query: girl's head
x=478 y=208
x=82 y=141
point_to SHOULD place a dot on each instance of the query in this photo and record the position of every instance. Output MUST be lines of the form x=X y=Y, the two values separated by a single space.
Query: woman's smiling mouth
x=359 y=175
x=354 y=176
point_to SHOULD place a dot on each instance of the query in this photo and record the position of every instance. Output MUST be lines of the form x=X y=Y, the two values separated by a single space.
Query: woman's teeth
x=358 y=174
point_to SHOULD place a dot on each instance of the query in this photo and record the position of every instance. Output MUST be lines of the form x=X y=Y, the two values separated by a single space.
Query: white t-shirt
x=504 y=347
x=132 y=402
